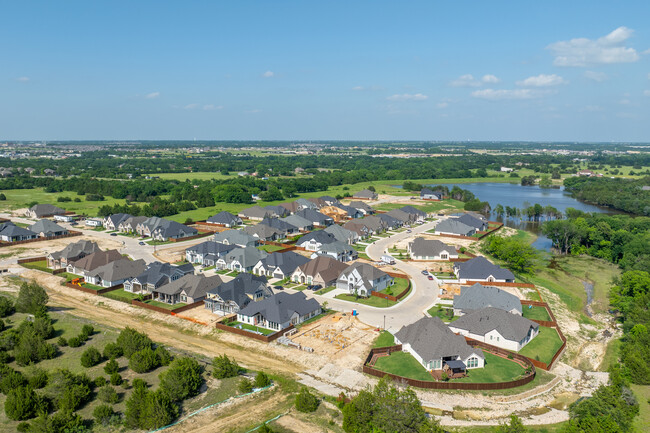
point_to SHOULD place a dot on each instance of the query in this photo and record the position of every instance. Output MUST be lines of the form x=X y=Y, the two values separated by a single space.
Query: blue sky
x=297 y=70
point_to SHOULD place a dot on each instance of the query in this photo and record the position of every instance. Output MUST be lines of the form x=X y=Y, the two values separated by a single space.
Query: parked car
x=408 y=231
x=430 y=277
x=425 y=273
x=141 y=243
x=314 y=287
x=278 y=288
x=113 y=234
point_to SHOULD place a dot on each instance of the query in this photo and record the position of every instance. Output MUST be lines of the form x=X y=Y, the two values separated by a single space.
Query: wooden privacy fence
x=393 y=298
x=527 y=378
x=548 y=323
x=168 y=311
x=202 y=234
x=249 y=334
x=31 y=260
x=29 y=241
x=499 y=284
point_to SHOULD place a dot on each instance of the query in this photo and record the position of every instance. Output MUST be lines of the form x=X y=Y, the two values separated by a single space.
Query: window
x=472 y=362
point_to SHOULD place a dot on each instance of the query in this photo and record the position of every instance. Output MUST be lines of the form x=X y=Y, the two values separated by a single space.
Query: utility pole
x=384 y=322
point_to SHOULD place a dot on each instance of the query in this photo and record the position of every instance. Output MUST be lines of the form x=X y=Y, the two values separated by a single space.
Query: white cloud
x=605 y=50
x=152 y=95
x=191 y=106
x=408 y=97
x=491 y=79
x=22 y=79
x=268 y=74
x=503 y=94
x=253 y=111
x=358 y=88
x=647 y=51
x=596 y=76
x=542 y=80
x=442 y=104
x=646 y=93
x=466 y=80
x=208 y=107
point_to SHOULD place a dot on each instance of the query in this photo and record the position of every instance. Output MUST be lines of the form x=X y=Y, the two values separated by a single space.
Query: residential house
x=363 y=207
x=314 y=240
x=241 y=259
x=279 y=265
x=291 y=206
x=496 y=327
x=419 y=215
x=187 y=289
x=277 y=211
x=357 y=226
x=236 y=237
x=474 y=220
x=451 y=226
x=130 y=224
x=480 y=269
x=155 y=275
x=207 y=253
x=279 y=311
x=337 y=250
x=322 y=270
x=401 y=216
x=263 y=232
x=225 y=219
x=112 y=222
x=237 y=293
x=115 y=272
x=390 y=222
x=341 y=234
x=93 y=222
x=47 y=229
x=161 y=229
x=430 y=249
x=320 y=203
x=365 y=194
x=256 y=213
x=44 y=210
x=285 y=228
x=92 y=261
x=478 y=296
x=351 y=212
x=362 y=279
x=329 y=200
x=376 y=224
x=9 y=232
x=427 y=194
x=64 y=218
x=299 y=222
x=71 y=253
x=435 y=346
x=316 y=218
x=334 y=212
x=303 y=203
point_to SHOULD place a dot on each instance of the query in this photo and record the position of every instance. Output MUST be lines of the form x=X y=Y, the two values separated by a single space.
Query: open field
x=543 y=346
x=642 y=421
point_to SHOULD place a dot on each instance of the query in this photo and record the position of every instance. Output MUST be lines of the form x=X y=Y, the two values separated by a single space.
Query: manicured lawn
x=270 y=248
x=164 y=305
x=363 y=256
x=121 y=295
x=223 y=271
x=325 y=290
x=41 y=265
x=535 y=313
x=496 y=369
x=372 y=301
x=385 y=339
x=543 y=346
x=445 y=314
x=403 y=364
x=248 y=327
x=400 y=285
x=159 y=242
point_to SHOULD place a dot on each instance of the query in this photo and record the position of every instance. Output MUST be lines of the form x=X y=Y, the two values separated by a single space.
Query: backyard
x=543 y=346
x=384 y=339
x=270 y=248
x=252 y=328
x=535 y=313
x=403 y=364
x=164 y=305
x=497 y=369
x=40 y=265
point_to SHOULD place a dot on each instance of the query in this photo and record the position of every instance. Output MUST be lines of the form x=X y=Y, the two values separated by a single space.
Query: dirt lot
x=36 y=249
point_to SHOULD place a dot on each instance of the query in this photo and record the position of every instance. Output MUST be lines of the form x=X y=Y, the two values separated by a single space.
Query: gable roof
x=224 y=217
x=280 y=307
x=314 y=216
x=46 y=209
x=239 y=288
x=480 y=268
x=256 y=212
x=236 y=237
x=390 y=220
x=365 y=193
x=429 y=247
x=121 y=269
x=479 y=296
x=366 y=271
x=133 y=221
x=413 y=211
x=157 y=272
x=472 y=221
x=305 y=204
x=399 y=215
x=373 y=222
x=46 y=226
x=320 y=236
x=194 y=286
x=287 y=262
x=97 y=259
x=336 y=247
x=341 y=234
x=262 y=231
x=328 y=268
x=291 y=206
x=512 y=327
x=279 y=224
x=351 y=211
x=298 y=222
x=211 y=247
x=361 y=205
x=427 y=191
x=117 y=218
x=452 y=225
x=247 y=257
x=75 y=249
x=11 y=230
x=278 y=211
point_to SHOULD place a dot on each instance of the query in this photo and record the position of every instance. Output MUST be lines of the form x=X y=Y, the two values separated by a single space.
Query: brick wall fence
x=527 y=378
x=29 y=241
x=249 y=334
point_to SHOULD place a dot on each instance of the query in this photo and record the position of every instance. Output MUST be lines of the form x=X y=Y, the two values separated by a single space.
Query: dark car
x=141 y=243
x=314 y=287
x=278 y=288
x=113 y=234
x=430 y=277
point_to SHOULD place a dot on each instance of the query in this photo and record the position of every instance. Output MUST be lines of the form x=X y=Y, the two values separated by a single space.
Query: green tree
x=135 y=404
x=21 y=403
x=306 y=401
x=104 y=415
x=111 y=366
x=132 y=341
x=7 y=307
x=157 y=411
x=107 y=394
x=163 y=355
x=245 y=386
x=182 y=379
x=32 y=299
x=112 y=350
x=261 y=380
x=90 y=357
x=223 y=367
x=515 y=426
x=143 y=360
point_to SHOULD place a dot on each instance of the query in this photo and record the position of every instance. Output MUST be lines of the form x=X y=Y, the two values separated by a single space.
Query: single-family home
x=303 y=224
x=9 y=232
x=279 y=265
x=231 y=297
x=390 y=222
x=161 y=229
x=92 y=261
x=64 y=218
x=277 y=211
x=315 y=217
x=431 y=249
x=93 y=222
x=115 y=272
x=474 y=220
x=44 y=211
x=112 y=222
x=72 y=252
x=155 y=275
x=236 y=237
x=225 y=219
x=337 y=250
x=401 y=216
x=342 y=234
x=279 y=311
x=480 y=269
x=436 y=347
x=352 y=212
x=375 y=223
x=207 y=253
x=303 y=203
x=357 y=226
x=187 y=289
x=419 y=215
x=478 y=296
x=363 y=207
x=130 y=224
x=320 y=203
x=241 y=259
x=334 y=212
x=365 y=194
x=263 y=232
x=285 y=228
x=47 y=229
x=322 y=270
x=451 y=226
x=256 y=213
x=314 y=240
x=291 y=206
x=427 y=194
x=329 y=200
x=361 y=279
x=496 y=327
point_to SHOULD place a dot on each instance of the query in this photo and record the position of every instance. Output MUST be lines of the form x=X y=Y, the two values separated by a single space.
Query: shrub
x=103 y=414
x=111 y=366
x=132 y=341
x=7 y=307
x=245 y=386
x=87 y=331
x=116 y=379
x=163 y=355
x=264 y=428
x=62 y=342
x=90 y=357
x=74 y=342
x=158 y=410
x=112 y=350
x=262 y=380
x=5 y=358
x=100 y=381
x=182 y=379
x=43 y=327
x=37 y=378
x=77 y=200
x=23 y=427
x=135 y=404
x=32 y=299
x=107 y=394
x=10 y=379
x=143 y=361
x=223 y=367
x=21 y=403
x=306 y=401
x=31 y=347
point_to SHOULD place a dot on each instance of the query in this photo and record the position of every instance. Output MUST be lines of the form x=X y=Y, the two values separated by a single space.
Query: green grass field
x=19 y=198
x=384 y=339
x=121 y=295
x=199 y=175
x=164 y=305
x=535 y=313
x=642 y=421
x=543 y=346
x=403 y=364
x=496 y=369
x=41 y=265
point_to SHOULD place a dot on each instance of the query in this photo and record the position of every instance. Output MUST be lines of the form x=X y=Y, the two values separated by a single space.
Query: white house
x=363 y=279
x=91 y=222
x=431 y=249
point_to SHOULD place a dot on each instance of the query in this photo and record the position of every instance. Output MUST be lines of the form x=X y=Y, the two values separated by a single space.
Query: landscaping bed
x=544 y=346
x=445 y=314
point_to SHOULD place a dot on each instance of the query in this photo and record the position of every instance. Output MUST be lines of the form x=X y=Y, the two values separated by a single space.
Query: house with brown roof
x=322 y=270
x=93 y=261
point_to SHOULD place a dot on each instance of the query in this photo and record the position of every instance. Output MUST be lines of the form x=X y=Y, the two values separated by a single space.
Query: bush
x=32 y=299
x=10 y=379
x=182 y=379
x=77 y=200
x=5 y=358
x=131 y=341
x=62 y=342
x=103 y=414
x=163 y=355
x=37 y=378
x=245 y=386
x=306 y=401
x=100 y=381
x=91 y=357
x=21 y=403
x=75 y=342
x=223 y=367
x=111 y=367
x=143 y=361
x=262 y=380
x=23 y=427
x=31 y=348
x=112 y=350
x=116 y=379
x=107 y=394
x=87 y=331
x=7 y=307
x=157 y=411
x=264 y=428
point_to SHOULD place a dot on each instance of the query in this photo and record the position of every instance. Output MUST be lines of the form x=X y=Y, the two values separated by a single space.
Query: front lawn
x=403 y=364
x=445 y=314
x=535 y=313
x=372 y=301
x=400 y=285
x=496 y=369
x=325 y=290
x=543 y=346
x=385 y=339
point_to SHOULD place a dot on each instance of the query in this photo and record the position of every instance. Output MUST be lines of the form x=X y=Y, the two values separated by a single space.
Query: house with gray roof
x=72 y=252
x=365 y=194
x=207 y=253
x=155 y=275
x=225 y=219
x=322 y=270
x=363 y=207
x=302 y=224
x=357 y=226
x=329 y=200
x=342 y=235
x=434 y=345
x=9 y=232
x=337 y=250
x=474 y=220
x=277 y=211
x=115 y=272
x=362 y=279
x=352 y=212
x=44 y=211
x=285 y=228
x=401 y=216
x=451 y=226
x=430 y=249
x=480 y=269
x=279 y=311
x=256 y=213
x=241 y=259
x=112 y=222
x=279 y=265
x=303 y=203
x=291 y=206
x=236 y=237
x=427 y=194
x=187 y=289
x=478 y=296
x=390 y=222
x=236 y=294
x=161 y=229
x=47 y=229
x=418 y=214
x=264 y=232
x=315 y=217
x=496 y=327
x=314 y=240
x=130 y=224
x=320 y=203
